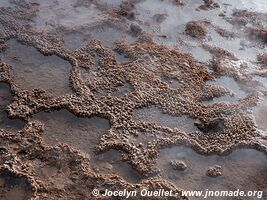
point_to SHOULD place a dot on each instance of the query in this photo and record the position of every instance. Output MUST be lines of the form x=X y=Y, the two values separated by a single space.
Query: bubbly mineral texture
x=261 y=33
x=195 y=29
x=178 y=165
x=92 y=92
x=209 y=4
x=262 y=58
x=214 y=171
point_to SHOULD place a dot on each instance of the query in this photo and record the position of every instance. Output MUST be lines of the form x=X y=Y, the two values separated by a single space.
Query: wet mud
x=243 y=168
x=32 y=70
x=131 y=94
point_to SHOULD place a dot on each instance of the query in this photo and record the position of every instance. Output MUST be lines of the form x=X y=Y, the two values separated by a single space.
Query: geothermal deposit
x=132 y=94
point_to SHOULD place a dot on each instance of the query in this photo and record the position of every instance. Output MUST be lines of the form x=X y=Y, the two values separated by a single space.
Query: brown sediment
x=238 y=168
x=209 y=4
x=108 y=106
x=195 y=29
x=178 y=165
x=240 y=17
x=242 y=13
x=135 y=29
x=225 y=33
x=219 y=52
x=262 y=59
x=260 y=33
x=214 y=171
x=160 y=17
x=58 y=172
x=243 y=17
x=127 y=9
x=212 y=125
x=5 y=99
x=179 y=2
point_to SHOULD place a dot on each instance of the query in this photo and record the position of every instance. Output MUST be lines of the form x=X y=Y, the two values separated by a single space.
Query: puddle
x=110 y=163
x=255 y=5
x=172 y=82
x=10 y=124
x=89 y=75
x=260 y=84
x=80 y=133
x=262 y=80
x=84 y=134
x=65 y=13
x=230 y=84
x=34 y=70
x=155 y=115
x=123 y=90
x=74 y=40
x=5 y=95
x=121 y=58
x=5 y=122
x=6 y=3
x=259 y=113
x=176 y=16
x=238 y=46
x=200 y=54
x=113 y=3
x=13 y=187
x=244 y=169
x=173 y=26
x=110 y=34
x=222 y=99
x=57 y=171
